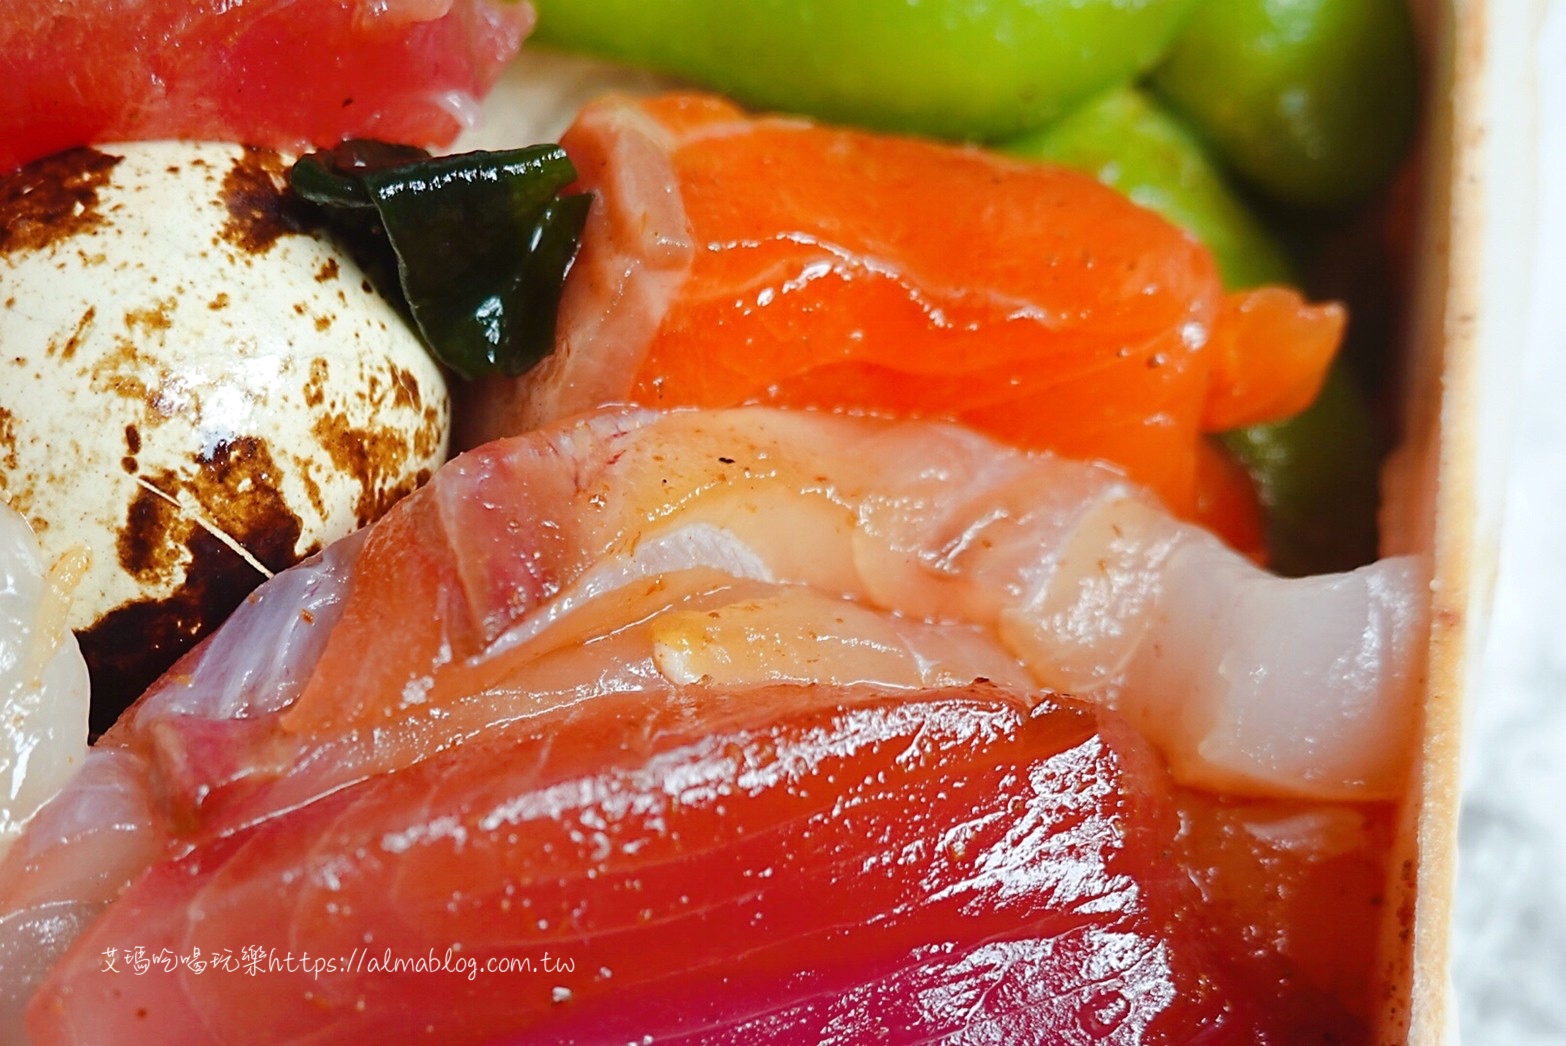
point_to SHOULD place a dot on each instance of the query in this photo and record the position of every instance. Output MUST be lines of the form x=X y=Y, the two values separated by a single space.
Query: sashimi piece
x=602 y=573
x=79 y=853
x=220 y=774
x=277 y=73
x=43 y=746
x=1300 y=887
x=996 y=873
x=632 y=551
x=107 y=825
x=1067 y=563
x=1332 y=748
x=1268 y=352
x=43 y=679
x=732 y=260
x=592 y=557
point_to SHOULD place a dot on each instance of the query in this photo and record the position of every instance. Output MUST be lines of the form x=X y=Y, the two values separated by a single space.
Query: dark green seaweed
x=480 y=242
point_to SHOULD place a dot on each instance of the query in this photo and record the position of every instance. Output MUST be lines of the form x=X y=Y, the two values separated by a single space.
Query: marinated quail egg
x=196 y=385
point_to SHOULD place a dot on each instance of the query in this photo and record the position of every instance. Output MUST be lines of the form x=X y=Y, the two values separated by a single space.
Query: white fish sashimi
x=1251 y=683
x=576 y=556
x=237 y=675
x=43 y=679
x=79 y=853
x=43 y=743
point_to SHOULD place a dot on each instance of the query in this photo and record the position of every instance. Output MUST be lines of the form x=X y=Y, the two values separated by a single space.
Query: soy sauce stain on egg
x=375 y=457
x=182 y=530
x=260 y=211
x=53 y=199
x=8 y=457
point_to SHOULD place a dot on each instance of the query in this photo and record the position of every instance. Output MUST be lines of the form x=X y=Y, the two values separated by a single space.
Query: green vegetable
x=481 y=242
x=1311 y=100
x=1128 y=142
x=950 y=68
x=1317 y=474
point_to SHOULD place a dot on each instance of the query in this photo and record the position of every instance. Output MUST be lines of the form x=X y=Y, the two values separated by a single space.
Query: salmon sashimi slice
x=731 y=260
x=996 y=871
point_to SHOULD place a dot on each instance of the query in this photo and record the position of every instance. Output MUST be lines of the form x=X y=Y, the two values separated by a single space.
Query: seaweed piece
x=480 y=242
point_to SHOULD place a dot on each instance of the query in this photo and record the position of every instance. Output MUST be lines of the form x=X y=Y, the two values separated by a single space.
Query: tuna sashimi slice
x=278 y=73
x=814 y=863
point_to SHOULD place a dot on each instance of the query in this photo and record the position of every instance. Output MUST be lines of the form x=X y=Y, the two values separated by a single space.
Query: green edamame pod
x=1313 y=101
x=1129 y=142
x=1317 y=474
x=950 y=68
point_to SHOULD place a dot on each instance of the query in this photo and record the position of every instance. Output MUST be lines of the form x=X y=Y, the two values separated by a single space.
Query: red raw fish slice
x=994 y=872
x=279 y=73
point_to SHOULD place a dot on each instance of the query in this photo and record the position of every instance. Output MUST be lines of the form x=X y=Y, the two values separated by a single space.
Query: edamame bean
x=1313 y=101
x=1129 y=142
x=1318 y=478
x=951 y=68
